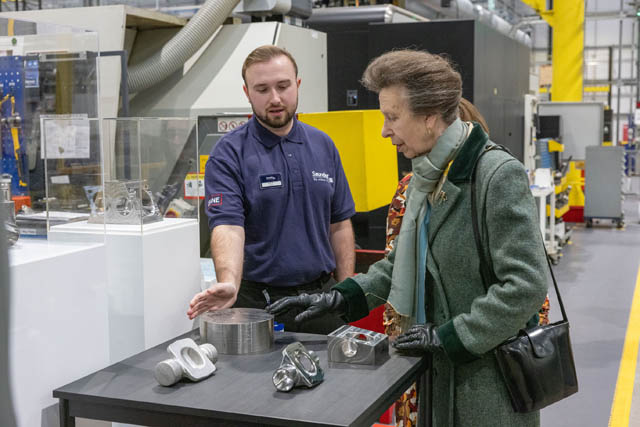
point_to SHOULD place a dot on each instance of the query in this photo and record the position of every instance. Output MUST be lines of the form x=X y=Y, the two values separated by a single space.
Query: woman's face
x=409 y=132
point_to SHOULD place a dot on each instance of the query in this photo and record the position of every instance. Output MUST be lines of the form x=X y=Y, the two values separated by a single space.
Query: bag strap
x=486 y=270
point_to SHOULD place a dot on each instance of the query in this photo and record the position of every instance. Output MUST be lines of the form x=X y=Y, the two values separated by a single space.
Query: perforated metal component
x=126 y=202
x=299 y=368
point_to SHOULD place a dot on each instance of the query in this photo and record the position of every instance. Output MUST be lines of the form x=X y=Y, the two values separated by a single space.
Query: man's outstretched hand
x=218 y=296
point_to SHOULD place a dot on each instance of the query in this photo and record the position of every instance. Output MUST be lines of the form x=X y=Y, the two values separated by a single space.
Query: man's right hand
x=217 y=297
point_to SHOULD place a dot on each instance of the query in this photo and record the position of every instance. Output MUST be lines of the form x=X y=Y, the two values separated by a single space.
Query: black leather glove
x=419 y=337
x=315 y=305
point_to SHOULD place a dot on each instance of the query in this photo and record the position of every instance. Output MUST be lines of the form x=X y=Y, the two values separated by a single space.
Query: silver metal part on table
x=238 y=330
x=189 y=360
x=299 y=367
x=349 y=344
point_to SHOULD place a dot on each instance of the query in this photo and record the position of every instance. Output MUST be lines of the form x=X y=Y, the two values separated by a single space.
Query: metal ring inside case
x=299 y=367
x=349 y=344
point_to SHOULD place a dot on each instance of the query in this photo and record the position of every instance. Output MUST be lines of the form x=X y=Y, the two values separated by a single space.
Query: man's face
x=272 y=90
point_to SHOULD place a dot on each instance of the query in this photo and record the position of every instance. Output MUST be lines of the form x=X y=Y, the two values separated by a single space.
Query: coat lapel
x=443 y=202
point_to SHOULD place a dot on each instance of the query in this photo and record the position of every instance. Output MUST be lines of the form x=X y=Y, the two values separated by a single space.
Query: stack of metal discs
x=237 y=330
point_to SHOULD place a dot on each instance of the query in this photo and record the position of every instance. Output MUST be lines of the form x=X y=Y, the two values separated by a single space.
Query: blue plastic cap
x=278 y=326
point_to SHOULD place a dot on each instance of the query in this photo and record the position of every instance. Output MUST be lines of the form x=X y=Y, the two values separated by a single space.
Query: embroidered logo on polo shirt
x=321 y=176
x=273 y=180
x=214 y=200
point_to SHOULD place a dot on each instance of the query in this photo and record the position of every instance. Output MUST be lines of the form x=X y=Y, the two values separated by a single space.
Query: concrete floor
x=597 y=277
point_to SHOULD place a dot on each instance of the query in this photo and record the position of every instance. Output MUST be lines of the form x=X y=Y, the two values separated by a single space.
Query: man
x=278 y=202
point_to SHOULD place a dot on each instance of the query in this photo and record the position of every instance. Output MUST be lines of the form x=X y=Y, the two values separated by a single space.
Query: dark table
x=241 y=391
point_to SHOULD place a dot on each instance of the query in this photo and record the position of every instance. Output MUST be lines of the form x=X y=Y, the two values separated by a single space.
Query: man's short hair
x=265 y=54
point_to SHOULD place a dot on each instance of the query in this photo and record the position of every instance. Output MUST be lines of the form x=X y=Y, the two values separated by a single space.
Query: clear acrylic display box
x=146 y=203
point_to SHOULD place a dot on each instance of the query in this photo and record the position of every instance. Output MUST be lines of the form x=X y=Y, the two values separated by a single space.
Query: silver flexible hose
x=182 y=46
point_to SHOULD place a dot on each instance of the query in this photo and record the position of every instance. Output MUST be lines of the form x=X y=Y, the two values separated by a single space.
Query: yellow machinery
x=561 y=207
x=567 y=20
x=369 y=160
x=576 y=181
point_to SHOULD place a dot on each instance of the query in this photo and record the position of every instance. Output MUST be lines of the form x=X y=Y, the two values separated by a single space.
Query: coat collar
x=460 y=171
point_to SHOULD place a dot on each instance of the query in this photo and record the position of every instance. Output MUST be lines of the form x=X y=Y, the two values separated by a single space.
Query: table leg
x=424 y=395
x=65 y=419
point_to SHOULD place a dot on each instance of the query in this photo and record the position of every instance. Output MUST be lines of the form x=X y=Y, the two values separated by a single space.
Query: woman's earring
x=429 y=132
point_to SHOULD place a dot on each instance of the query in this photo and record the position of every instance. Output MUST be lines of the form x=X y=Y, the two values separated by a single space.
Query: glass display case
x=152 y=173
x=150 y=180
x=144 y=201
x=46 y=70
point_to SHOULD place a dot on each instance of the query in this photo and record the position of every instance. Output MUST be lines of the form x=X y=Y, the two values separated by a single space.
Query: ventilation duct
x=465 y=9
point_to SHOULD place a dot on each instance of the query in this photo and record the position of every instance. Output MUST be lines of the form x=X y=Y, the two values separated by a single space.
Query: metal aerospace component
x=299 y=367
x=238 y=330
x=126 y=202
x=349 y=344
x=8 y=210
x=189 y=360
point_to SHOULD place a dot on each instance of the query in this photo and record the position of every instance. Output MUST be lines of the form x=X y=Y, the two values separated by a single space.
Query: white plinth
x=59 y=322
x=153 y=272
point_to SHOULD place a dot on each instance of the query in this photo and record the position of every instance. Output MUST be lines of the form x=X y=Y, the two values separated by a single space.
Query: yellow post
x=567 y=20
x=568 y=47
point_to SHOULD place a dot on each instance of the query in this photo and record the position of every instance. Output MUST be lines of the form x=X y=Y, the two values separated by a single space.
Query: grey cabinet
x=604 y=170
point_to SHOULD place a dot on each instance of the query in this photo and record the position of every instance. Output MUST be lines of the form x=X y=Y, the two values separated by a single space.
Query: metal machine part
x=126 y=202
x=238 y=330
x=8 y=210
x=349 y=344
x=189 y=360
x=299 y=368
x=94 y=196
x=5 y=187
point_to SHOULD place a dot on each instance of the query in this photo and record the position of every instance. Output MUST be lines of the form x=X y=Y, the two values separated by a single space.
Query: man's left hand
x=419 y=337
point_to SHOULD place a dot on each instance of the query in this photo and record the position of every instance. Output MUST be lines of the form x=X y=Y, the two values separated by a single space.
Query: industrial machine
x=603 y=185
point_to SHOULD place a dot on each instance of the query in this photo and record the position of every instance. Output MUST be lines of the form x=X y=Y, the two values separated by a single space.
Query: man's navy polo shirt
x=285 y=192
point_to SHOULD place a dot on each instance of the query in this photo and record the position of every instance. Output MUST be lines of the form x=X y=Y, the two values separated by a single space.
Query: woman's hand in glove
x=419 y=337
x=314 y=305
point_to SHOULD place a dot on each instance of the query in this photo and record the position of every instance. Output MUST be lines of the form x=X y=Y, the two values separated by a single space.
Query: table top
x=241 y=390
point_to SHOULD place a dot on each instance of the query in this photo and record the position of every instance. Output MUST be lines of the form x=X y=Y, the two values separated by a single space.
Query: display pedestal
x=58 y=322
x=153 y=272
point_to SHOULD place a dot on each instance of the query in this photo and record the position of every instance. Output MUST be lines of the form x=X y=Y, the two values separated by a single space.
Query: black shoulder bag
x=537 y=364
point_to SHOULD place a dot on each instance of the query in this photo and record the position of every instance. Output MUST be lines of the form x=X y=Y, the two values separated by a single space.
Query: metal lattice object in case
x=349 y=344
x=126 y=202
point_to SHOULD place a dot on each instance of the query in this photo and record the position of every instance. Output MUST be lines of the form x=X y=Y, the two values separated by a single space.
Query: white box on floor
x=59 y=326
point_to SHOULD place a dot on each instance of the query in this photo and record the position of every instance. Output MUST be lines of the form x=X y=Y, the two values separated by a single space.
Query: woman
x=432 y=278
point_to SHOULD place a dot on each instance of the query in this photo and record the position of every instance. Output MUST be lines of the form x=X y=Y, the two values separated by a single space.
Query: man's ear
x=246 y=91
x=298 y=82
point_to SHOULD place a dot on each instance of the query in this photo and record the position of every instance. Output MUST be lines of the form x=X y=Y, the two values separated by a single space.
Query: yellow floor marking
x=621 y=408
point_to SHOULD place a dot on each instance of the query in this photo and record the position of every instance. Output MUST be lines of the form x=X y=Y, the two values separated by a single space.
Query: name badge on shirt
x=273 y=180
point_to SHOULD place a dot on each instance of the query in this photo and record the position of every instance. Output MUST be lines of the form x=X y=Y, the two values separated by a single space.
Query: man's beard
x=276 y=123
